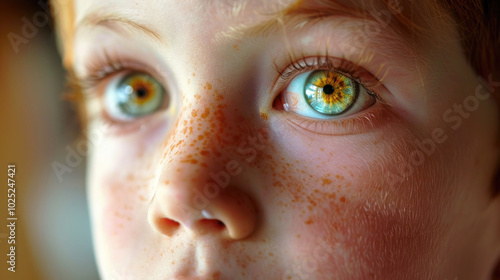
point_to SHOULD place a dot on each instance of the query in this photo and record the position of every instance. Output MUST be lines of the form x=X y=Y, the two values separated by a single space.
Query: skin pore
x=225 y=180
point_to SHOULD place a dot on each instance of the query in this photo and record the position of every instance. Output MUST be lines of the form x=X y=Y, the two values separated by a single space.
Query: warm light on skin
x=305 y=200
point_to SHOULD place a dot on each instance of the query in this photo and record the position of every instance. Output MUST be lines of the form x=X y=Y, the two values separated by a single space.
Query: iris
x=329 y=92
x=134 y=95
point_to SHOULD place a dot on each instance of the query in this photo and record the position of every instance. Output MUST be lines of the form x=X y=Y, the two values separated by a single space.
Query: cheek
x=360 y=203
x=119 y=196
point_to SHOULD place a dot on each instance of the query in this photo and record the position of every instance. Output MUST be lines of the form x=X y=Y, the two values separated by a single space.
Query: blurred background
x=38 y=128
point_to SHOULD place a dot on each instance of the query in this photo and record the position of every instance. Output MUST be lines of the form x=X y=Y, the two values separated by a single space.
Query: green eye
x=330 y=93
x=133 y=95
x=325 y=94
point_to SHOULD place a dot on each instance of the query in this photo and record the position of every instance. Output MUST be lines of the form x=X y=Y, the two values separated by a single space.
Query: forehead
x=191 y=10
x=164 y=15
x=235 y=11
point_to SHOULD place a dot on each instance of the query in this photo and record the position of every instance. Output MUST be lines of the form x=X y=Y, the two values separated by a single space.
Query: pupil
x=141 y=92
x=328 y=89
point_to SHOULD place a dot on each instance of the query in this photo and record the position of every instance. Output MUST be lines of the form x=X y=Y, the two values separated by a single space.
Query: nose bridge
x=196 y=182
x=194 y=152
x=201 y=138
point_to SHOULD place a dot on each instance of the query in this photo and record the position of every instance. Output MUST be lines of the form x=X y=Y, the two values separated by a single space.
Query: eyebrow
x=296 y=14
x=302 y=12
x=117 y=23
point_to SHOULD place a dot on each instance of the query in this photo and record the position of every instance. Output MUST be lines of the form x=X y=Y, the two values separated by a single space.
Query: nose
x=198 y=191
x=230 y=214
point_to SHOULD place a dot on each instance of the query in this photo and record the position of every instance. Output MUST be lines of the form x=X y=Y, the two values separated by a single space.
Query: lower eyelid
x=363 y=122
x=117 y=128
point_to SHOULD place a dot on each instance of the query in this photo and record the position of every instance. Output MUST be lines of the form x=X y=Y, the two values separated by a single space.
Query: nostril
x=211 y=225
x=167 y=226
x=210 y=222
x=169 y=222
x=220 y=223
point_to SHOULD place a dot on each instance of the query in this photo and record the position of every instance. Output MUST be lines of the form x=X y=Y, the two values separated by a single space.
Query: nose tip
x=231 y=213
x=236 y=211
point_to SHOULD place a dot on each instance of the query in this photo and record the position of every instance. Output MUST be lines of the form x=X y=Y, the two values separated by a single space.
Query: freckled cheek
x=345 y=195
x=120 y=188
x=123 y=172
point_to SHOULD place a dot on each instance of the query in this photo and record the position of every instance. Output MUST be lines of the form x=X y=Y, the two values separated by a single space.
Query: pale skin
x=225 y=183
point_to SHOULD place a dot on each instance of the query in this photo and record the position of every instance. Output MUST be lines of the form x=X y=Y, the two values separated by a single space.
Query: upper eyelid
x=111 y=64
x=345 y=67
x=117 y=63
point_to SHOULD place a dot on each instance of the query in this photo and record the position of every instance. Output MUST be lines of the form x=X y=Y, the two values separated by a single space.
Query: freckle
x=219 y=96
x=194 y=161
x=326 y=182
x=263 y=116
x=271 y=254
x=197 y=96
x=205 y=113
x=235 y=47
x=194 y=113
x=193 y=74
x=208 y=86
x=189 y=81
x=322 y=149
x=342 y=199
x=308 y=222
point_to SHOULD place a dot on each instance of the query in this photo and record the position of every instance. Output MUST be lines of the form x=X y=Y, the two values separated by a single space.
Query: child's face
x=232 y=171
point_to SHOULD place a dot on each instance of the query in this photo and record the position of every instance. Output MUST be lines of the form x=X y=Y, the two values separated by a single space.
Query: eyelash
x=345 y=67
x=340 y=126
x=101 y=67
x=110 y=64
